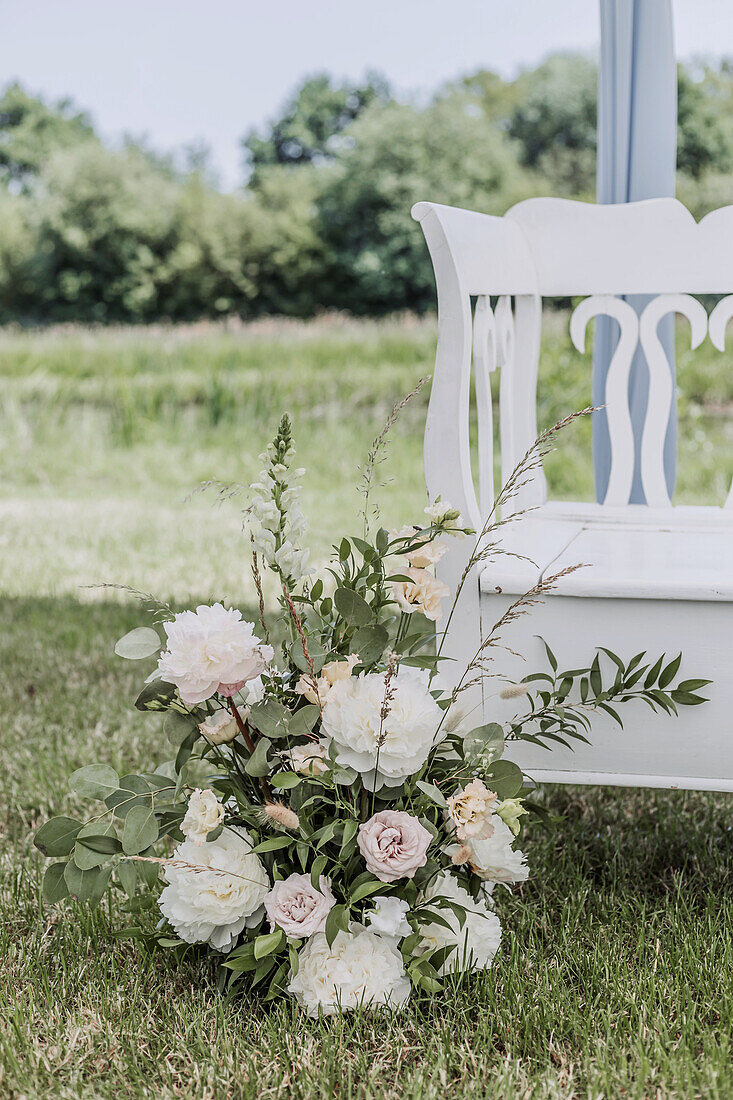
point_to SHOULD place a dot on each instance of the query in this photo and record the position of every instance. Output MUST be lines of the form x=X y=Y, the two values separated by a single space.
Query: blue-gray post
x=637 y=153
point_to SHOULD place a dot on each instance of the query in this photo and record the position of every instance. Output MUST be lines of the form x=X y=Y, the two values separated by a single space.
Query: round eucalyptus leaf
x=54 y=884
x=94 y=781
x=138 y=643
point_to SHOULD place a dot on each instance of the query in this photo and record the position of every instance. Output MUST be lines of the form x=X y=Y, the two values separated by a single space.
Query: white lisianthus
x=204 y=814
x=493 y=858
x=360 y=968
x=429 y=554
x=470 y=810
x=211 y=649
x=476 y=942
x=389 y=917
x=329 y=675
x=221 y=891
x=449 y=519
x=422 y=592
x=510 y=811
x=384 y=751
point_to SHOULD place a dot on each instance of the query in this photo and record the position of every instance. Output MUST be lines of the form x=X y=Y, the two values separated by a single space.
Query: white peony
x=204 y=814
x=211 y=649
x=389 y=917
x=493 y=858
x=224 y=890
x=351 y=719
x=476 y=942
x=360 y=968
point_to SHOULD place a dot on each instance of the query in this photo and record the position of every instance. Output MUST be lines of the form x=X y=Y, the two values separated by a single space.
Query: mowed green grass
x=615 y=977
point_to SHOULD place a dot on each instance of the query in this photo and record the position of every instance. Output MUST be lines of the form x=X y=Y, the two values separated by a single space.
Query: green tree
x=312 y=122
x=398 y=155
x=31 y=130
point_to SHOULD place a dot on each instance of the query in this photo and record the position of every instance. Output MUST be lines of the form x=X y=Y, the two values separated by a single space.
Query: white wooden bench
x=660 y=577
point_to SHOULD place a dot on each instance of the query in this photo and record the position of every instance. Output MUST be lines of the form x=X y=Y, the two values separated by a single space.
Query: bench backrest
x=559 y=248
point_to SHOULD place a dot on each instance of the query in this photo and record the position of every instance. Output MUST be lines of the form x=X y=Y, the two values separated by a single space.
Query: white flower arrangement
x=346 y=847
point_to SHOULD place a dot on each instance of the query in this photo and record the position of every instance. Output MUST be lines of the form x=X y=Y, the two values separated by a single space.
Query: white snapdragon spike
x=276 y=522
x=360 y=968
x=385 y=751
x=493 y=858
x=476 y=942
x=209 y=650
x=219 y=894
x=389 y=918
x=204 y=814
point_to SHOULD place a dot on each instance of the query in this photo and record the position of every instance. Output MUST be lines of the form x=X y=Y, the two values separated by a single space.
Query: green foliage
x=31 y=129
x=312 y=122
x=398 y=156
x=88 y=234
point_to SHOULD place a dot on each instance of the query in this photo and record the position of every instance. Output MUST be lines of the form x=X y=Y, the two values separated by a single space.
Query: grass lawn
x=616 y=973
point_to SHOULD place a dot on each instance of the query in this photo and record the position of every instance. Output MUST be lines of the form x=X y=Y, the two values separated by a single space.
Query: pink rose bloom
x=297 y=907
x=394 y=844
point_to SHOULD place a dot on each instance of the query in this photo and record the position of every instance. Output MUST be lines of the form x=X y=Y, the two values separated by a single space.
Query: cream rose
x=329 y=675
x=220 y=891
x=219 y=728
x=394 y=844
x=476 y=942
x=297 y=907
x=360 y=968
x=204 y=814
x=422 y=592
x=383 y=751
x=470 y=810
x=211 y=649
x=310 y=759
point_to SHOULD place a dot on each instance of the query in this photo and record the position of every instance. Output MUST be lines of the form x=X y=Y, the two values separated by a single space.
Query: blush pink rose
x=394 y=844
x=297 y=907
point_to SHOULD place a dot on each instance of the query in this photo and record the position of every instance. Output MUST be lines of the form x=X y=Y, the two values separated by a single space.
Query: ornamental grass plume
x=281 y=815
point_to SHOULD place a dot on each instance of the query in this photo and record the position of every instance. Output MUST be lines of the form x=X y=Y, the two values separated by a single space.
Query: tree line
x=94 y=234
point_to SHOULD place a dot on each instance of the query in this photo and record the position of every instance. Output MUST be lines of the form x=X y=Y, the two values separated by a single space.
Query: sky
x=177 y=71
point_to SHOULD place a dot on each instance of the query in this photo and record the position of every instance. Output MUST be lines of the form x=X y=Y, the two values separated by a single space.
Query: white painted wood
x=660 y=387
x=719 y=318
x=660 y=577
x=617 y=387
x=485 y=355
x=693 y=750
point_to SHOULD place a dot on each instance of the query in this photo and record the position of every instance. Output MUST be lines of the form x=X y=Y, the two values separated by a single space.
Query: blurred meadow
x=107 y=432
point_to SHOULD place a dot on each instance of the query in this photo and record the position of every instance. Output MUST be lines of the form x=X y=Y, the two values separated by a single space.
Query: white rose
x=219 y=728
x=212 y=900
x=204 y=814
x=476 y=942
x=422 y=592
x=493 y=858
x=310 y=759
x=351 y=718
x=209 y=648
x=388 y=918
x=360 y=968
